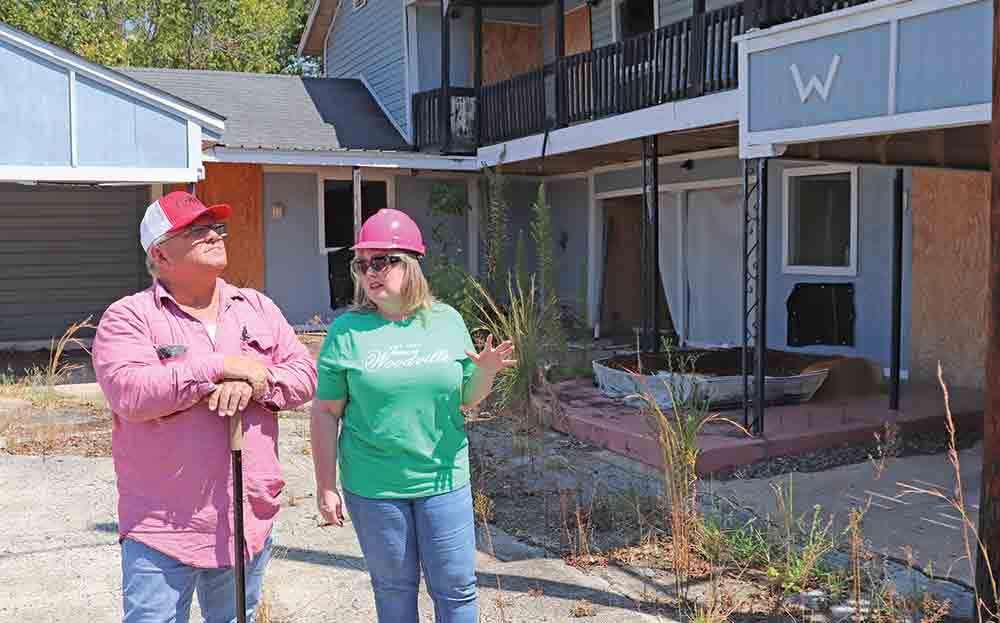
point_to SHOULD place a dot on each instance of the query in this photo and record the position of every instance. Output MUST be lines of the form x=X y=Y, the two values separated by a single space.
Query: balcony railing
x=767 y=13
x=686 y=59
x=428 y=130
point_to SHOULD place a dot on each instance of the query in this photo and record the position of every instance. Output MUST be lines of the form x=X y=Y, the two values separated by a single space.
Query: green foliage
x=495 y=227
x=541 y=233
x=449 y=281
x=520 y=271
x=523 y=321
x=235 y=35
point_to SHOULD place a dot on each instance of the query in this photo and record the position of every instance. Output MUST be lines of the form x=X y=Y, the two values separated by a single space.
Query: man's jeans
x=398 y=537
x=158 y=588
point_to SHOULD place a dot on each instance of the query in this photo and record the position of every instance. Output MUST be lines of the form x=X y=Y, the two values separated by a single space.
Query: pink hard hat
x=390 y=229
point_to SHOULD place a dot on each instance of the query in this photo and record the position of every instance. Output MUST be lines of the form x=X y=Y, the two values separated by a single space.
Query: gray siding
x=65 y=255
x=296 y=274
x=369 y=43
x=600 y=24
x=570 y=202
x=429 y=48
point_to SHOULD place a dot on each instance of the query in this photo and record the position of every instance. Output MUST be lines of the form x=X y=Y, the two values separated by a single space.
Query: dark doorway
x=338 y=216
x=637 y=17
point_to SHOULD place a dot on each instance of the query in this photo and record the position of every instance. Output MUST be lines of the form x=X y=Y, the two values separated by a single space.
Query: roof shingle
x=271 y=111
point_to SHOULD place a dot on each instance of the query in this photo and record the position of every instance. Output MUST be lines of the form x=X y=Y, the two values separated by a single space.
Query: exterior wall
x=414 y=195
x=369 y=43
x=873 y=283
x=297 y=273
x=242 y=187
x=950 y=276
x=65 y=254
x=112 y=129
x=570 y=201
x=429 y=47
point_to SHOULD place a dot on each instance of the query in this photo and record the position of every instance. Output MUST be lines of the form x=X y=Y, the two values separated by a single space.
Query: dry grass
x=582 y=609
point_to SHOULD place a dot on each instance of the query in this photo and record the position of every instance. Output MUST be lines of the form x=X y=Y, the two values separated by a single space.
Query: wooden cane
x=236 y=448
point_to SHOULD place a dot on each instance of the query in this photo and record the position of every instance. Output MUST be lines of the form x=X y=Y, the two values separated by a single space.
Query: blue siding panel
x=34 y=98
x=115 y=130
x=368 y=43
x=933 y=46
x=859 y=89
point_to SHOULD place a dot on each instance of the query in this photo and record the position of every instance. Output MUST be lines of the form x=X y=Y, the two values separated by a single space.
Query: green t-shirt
x=403 y=433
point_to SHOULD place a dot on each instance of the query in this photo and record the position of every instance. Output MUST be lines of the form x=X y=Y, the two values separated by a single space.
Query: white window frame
x=789 y=174
x=346 y=175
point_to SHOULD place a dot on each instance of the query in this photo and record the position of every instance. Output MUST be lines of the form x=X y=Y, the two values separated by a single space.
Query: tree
x=236 y=35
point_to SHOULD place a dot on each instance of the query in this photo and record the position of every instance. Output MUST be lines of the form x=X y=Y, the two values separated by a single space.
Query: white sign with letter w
x=823 y=88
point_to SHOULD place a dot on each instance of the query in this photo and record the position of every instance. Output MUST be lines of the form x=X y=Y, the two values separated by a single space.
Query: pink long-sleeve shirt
x=171 y=454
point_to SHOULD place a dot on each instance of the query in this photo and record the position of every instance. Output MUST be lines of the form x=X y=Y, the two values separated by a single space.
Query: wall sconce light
x=277 y=211
x=687 y=165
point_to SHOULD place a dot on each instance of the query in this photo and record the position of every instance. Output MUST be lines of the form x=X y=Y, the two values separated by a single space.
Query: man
x=175 y=361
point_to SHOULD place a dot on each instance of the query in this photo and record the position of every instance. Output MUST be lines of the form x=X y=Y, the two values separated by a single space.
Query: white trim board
x=975 y=114
x=345 y=158
x=722 y=182
x=708 y=110
x=114 y=80
x=851 y=270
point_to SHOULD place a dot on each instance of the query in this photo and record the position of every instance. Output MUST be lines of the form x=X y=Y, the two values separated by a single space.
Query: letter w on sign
x=823 y=88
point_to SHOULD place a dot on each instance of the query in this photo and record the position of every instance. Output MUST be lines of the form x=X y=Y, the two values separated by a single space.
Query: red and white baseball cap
x=173 y=212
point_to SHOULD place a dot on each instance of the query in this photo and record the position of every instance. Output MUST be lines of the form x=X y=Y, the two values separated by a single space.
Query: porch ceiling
x=670 y=143
x=966 y=147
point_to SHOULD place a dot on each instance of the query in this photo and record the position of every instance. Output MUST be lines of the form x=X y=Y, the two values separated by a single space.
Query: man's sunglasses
x=196 y=232
x=377 y=263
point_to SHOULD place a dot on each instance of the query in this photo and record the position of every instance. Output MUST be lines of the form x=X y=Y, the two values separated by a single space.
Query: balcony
x=682 y=60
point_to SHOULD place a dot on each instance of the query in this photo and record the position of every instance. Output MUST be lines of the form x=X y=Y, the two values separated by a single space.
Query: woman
x=394 y=371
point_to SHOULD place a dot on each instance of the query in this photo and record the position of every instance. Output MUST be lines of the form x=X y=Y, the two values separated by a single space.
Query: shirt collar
x=227 y=292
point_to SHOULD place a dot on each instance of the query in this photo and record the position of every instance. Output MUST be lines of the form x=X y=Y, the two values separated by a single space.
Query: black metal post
x=560 y=69
x=652 y=194
x=745 y=355
x=444 y=110
x=696 y=51
x=761 y=292
x=239 y=541
x=897 y=287
x=477 y=42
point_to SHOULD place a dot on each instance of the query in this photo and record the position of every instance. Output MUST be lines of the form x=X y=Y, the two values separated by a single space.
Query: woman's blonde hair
x=416 y=292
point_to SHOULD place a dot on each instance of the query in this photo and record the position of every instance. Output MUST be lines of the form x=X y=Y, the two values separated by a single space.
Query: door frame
x=344 y=174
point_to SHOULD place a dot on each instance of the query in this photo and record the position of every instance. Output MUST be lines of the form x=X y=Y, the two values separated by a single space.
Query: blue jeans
x=399 y=537
x=158 y=588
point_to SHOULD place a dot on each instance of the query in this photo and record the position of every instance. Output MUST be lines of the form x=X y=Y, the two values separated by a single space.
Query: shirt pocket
x=259 y=345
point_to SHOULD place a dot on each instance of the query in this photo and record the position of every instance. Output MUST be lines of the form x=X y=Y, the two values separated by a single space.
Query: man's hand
x=230 y=397
x=331 y=507
x=249 y=370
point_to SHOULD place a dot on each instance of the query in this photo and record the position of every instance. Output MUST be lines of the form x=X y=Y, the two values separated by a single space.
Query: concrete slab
x=899 y=523
x=59 y=554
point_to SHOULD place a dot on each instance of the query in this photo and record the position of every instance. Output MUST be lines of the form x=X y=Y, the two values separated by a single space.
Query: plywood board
x=950 y=268
x=510 y=50
x=242 y=187
x=577 y=33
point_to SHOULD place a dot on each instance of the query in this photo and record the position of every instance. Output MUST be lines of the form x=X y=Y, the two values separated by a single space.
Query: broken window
x=820 y=233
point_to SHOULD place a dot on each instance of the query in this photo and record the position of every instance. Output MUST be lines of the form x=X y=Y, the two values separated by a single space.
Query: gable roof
x=205 y=116
x=270 y=111
x=320 y=17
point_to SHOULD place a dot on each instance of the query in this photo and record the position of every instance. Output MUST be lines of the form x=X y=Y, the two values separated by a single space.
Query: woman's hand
x=331 y=507
x=491 y=360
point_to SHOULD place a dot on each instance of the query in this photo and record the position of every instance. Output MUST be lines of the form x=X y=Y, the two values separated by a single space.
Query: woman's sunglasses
x=377 y=263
